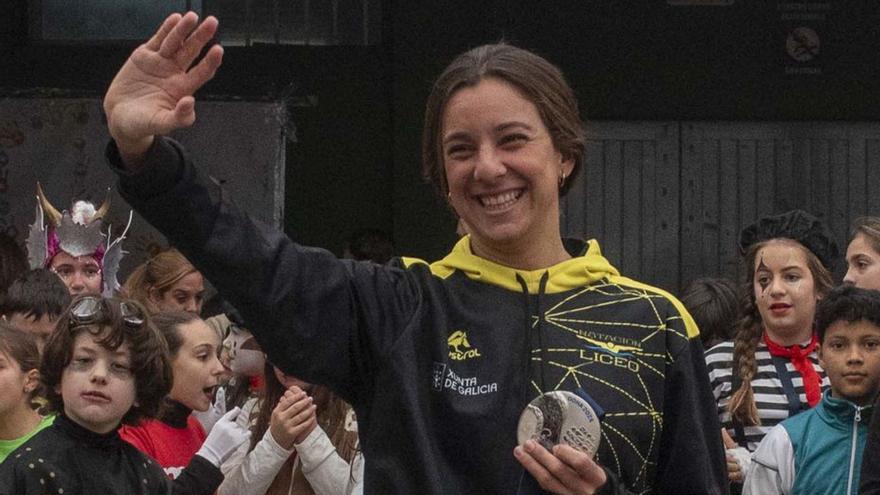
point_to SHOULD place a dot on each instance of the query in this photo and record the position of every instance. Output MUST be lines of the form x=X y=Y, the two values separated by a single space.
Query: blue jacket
x=817 y=451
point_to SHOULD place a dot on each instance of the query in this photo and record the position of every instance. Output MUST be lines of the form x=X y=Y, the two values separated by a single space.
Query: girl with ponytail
x=770 y=371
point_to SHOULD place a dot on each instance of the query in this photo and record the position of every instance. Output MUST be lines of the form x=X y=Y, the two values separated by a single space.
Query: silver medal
x=560 y=417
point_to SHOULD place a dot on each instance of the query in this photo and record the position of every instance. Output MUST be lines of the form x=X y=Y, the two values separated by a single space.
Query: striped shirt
x=770 y=397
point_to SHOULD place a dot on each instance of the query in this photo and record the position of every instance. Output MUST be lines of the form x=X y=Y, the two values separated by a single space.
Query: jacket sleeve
x=869 y=481
x=772 y=467
x=319 y=318
x=326 y=472
x=251 y=473
x=199 y=478
x=691 y=453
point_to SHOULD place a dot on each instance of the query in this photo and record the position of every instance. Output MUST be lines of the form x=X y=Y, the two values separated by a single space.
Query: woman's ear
x=32 y=381
x=567 y=166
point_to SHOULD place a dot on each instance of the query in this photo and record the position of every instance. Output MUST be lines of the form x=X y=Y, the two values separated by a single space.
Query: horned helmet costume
x=78 y=233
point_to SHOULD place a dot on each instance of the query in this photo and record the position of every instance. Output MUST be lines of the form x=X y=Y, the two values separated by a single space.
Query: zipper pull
x=858 y=414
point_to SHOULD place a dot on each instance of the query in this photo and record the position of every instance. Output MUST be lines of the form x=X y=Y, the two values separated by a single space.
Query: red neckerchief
x=255 y=383
x=799 y=358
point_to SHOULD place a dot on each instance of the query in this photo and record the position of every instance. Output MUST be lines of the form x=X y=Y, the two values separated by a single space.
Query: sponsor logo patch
x=459 y=347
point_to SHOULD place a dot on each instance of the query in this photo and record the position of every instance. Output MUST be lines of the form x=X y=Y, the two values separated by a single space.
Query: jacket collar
x=585 y=268
x=841 y=412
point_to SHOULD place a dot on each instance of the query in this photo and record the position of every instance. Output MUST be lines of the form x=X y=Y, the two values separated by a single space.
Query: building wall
x=356 y=162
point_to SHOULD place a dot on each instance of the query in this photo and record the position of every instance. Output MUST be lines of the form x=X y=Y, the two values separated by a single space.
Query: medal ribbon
x=799 y=357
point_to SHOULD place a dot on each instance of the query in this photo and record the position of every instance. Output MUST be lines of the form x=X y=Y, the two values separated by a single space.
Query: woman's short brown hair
x=150 y=364
x=538 y=80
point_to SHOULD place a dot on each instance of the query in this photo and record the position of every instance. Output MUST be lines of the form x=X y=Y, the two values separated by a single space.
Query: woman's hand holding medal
x=559 y=435
x=564 y=471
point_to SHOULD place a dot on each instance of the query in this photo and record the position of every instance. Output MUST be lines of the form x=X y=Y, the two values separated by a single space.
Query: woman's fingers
x=173 y=42
x=531 y=460
x=155 y=42
x=196 y=41
x=563 y=471
x=581 y=463
x=206 y=68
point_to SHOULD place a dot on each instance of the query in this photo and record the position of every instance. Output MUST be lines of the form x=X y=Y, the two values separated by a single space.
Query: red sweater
x=172 y=447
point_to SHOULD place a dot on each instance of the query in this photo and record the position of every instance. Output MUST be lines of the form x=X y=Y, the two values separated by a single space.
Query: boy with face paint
x=105 y=366
x=820 y=450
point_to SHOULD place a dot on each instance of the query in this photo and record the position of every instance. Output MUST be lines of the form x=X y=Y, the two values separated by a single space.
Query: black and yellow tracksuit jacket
x=439 y=360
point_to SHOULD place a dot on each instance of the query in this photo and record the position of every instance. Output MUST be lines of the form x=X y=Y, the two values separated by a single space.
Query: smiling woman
x=440 y=360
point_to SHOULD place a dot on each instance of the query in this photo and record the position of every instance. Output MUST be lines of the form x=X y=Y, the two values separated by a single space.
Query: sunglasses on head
x=91 y=310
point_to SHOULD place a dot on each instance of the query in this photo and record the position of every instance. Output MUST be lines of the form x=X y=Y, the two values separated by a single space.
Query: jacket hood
x=584 y=268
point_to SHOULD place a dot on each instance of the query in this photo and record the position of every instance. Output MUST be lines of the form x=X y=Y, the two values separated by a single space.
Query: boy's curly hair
x=150 y=364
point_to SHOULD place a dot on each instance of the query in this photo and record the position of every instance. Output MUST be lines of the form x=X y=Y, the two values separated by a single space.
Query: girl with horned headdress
x=71 y=244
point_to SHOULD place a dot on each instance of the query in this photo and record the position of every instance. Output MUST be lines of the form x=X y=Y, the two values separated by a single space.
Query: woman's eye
x=513 y=138
x=792 y=277
x=458 y=151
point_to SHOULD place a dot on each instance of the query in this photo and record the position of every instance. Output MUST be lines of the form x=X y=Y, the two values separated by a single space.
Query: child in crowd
x=305 y=442
x=166 y=282
x=105 y=365
x=863 y=263
x=770 y=370
x=863 y=254
x=176 y=436
x=713 y=304
x=71 y=243
x=19 y=385
x=34 y=301
x=820 y=451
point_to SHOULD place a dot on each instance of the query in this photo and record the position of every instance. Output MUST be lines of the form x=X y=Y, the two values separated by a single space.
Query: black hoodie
x=439 y=360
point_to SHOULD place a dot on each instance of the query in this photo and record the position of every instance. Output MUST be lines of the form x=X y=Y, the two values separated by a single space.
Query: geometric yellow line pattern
x=601 y=351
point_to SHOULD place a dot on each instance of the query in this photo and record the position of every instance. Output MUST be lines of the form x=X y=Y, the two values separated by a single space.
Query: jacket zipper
x=852 y=455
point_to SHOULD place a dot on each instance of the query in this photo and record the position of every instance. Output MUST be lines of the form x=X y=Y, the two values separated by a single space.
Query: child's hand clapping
x=293 y=418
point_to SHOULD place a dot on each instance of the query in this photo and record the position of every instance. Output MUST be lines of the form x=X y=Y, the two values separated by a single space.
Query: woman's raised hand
x=293 y=418
x=153 y=91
